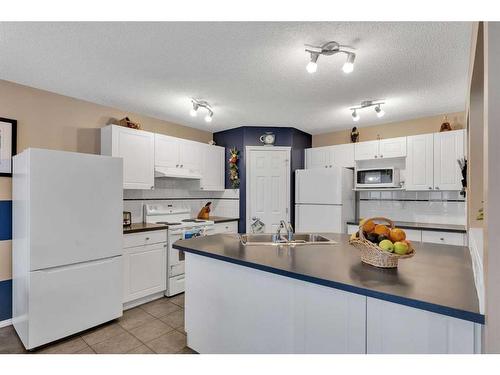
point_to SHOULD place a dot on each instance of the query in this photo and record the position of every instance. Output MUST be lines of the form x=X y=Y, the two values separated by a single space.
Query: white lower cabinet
x=445 y=238
x=227 y=227
x=144 y=265
x=396 y=329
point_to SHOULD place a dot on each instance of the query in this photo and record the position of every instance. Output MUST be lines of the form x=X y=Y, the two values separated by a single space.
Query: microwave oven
x=377 y=178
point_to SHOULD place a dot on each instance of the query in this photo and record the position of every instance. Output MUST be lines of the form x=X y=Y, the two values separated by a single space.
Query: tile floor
x=155 y=327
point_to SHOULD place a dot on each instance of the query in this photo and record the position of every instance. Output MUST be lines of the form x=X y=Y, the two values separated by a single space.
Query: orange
x=382 y=229
x=397 y=235
x=368 y=226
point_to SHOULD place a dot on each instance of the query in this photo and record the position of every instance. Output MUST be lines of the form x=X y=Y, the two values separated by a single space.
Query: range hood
x=166 y=172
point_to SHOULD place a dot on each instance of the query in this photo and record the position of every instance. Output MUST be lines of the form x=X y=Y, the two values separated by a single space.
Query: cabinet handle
x=177 y=166
x=381 y=156
x=376 y=156
x=147 y=238
x=182 y=165
x=437 y=187
x=430 y=187
x=442 y=239
x=326 y=166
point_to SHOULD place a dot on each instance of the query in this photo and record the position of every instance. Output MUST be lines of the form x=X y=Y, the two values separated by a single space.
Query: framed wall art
x=8 y=139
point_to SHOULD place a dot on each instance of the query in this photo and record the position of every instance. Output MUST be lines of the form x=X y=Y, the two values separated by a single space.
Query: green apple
x=386 y=245
x=400 y=248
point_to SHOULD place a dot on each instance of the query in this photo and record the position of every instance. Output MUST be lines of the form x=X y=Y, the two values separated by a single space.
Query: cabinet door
x=229 y=227
x=213 y=168
x=166 y=151
x=398 y=329
x=137 y=150
x=448 y=148
x=392 y=148
x=191 y=155
x=343 y=155
x=144 y=271
x=420 y=162
x=366 y=150
x=318 y=157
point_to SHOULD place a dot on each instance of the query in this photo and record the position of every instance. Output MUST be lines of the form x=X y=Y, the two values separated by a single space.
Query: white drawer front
x=229 y=227
x=175 y=285
x=446 y=238
x=413 y=235
x=66 y=300
x=144 y=238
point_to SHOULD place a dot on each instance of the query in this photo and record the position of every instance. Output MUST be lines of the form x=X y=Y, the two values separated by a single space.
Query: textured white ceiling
x=252 y=73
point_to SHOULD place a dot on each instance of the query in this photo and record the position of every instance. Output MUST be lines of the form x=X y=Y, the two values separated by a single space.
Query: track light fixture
x=368 y=103
x=203 y=104
x=328 y=49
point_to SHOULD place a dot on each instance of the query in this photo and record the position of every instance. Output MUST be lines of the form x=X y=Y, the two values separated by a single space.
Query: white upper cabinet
x=448 y=148
x=366 y=150
x=136 y=148
x=420 y=162
x=432 y=164
x=343 y=155
x=167 y=152
x=212 y=168
x=328 y=156
x=319 y=157
x=380 y=149
x=392 y=148
x=191 y=154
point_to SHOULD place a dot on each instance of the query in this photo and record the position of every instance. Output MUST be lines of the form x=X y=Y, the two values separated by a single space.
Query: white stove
x=180 y=225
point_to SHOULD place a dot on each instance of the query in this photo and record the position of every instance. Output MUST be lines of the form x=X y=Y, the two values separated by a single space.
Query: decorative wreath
x=234 y=176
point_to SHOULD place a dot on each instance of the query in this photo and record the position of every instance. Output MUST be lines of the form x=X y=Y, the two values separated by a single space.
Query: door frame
x=248 y=149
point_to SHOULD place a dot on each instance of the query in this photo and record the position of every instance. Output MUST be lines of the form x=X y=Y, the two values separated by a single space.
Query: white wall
x=182 y=192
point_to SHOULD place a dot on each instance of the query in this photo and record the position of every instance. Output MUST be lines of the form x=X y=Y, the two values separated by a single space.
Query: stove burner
x=167 y=223
x=193 y=221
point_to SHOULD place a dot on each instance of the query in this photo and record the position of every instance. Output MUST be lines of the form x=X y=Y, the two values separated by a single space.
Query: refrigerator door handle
x=78 y=265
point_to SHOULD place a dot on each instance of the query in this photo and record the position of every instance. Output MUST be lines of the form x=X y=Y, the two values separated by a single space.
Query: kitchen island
x=321 y=299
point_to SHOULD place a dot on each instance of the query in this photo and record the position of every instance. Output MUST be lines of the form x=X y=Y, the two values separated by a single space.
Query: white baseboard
x=5 y=323
x=143 y=300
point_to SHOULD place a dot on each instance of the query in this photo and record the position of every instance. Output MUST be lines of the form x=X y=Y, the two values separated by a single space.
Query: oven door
x=175 y=266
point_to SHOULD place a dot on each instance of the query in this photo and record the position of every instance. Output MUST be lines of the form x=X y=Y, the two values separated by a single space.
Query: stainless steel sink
x=297 y=239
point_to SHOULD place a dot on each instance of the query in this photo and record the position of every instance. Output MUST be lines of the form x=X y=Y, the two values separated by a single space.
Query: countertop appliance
x=180 y=225
x=387 y=177
x=67 y=243
x=324 y=199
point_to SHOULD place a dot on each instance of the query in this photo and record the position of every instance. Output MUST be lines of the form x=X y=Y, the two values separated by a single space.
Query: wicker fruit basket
x=372 y=254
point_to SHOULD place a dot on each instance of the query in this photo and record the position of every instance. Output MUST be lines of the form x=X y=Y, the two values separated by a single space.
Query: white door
x=343 y=155
x=392 y=147
x=268 y=185
x=320 y=186
x=75 y=207
x=213 y=168
x=366 y=150
x=448 y=148
x=190 y=155
x=166 y=151
x=144 y=271
x=137 y=150
x=420 y=162
x=318 y=157
x=318 y=218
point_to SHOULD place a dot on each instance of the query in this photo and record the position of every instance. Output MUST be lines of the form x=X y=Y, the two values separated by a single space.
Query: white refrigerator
x=324 y=199
x=67 y=243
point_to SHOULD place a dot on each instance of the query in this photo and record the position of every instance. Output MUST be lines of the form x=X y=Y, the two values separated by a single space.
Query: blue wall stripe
x=5 y=299
x=5 y=220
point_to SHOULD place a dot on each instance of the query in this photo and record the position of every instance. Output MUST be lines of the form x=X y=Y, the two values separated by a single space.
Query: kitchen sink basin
x=297 y=239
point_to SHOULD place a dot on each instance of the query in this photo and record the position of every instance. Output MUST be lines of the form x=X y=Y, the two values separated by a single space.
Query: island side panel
x=399 y=329
x=235 y=309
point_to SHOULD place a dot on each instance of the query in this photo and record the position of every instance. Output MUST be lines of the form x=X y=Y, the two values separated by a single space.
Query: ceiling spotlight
x=355 y=116
x=367 y=103
x=328 y=49
x=201 y=104
x=380 y=111
x=349 y=64
x=313 y=65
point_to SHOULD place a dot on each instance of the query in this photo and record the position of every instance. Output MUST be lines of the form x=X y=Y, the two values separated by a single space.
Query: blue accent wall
x=249 y=136
x=5 y=300
x=5 y=220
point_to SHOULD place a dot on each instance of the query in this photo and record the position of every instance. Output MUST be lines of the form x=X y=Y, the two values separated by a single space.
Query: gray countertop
x=142 y=227
x=222 y=219
x=424 y=226
x=439 y=278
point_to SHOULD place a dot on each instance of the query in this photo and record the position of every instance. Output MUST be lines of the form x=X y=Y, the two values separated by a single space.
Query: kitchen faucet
x=289 y=230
